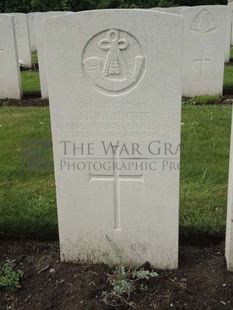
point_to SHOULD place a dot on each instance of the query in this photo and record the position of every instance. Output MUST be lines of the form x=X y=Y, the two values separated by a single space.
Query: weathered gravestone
x=31 y=25
x=22 y=38
x=204 y=49
x=39 y=32
x=114 y=78
x=10 y=82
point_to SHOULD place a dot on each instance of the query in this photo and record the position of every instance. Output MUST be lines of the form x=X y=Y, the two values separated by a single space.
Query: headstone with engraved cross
x=204 y=50
x=114 y=81
x=10 y=81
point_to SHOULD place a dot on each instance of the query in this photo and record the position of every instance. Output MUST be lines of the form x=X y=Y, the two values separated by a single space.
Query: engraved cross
x=202 y=60
x=116 y=178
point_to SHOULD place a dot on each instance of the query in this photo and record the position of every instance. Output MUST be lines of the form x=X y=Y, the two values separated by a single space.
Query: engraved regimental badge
x=113 y=62
x=204 y=23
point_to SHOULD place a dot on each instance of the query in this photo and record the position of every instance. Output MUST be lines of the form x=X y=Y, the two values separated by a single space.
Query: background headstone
x=32 y=35
x=230 y=4
x=227 y=33
x=39 y=31
x=22 y=38
x=204 y=49
x=10 y=82
x=112 y=80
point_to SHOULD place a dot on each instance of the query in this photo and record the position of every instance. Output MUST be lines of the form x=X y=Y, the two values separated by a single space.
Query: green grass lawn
x=231 y=54
x=30 y=80
x=30 y=83
x=27 y=198
x=228 y=80
x=34 y=58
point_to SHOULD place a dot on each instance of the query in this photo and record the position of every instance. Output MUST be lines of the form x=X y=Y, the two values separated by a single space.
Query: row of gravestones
x=20 y=35
x=206 y=43
x=115 y=85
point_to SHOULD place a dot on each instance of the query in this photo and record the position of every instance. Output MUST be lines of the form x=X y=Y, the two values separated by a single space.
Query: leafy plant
x=125 y=281
x=10 y=278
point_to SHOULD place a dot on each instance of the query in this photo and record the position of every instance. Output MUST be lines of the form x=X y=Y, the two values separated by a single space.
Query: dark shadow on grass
x=29 y=95
x=227 y=91
x=29 y=101
x=186 y=236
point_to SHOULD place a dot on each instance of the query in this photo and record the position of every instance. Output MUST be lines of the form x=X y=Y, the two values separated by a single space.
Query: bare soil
x=201 y=282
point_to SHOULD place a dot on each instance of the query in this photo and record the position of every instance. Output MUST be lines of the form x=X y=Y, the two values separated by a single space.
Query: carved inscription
x=113 y=61
x=105 y=121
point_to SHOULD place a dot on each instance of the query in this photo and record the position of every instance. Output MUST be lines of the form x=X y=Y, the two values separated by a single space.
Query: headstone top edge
x=110 y=12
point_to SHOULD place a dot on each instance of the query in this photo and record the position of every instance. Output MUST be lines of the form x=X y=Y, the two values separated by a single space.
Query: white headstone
x=229 y=222
x=228 y=34
x=10 y=82
x=232 y=29
x=114 y=76
x=230 y=5
x=174 y=10
x=204 y=49
x=22 y=37
x=39 y=31
x=31 y=25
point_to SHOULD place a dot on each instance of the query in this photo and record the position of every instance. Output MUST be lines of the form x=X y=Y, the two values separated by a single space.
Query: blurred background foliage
x=25 y=6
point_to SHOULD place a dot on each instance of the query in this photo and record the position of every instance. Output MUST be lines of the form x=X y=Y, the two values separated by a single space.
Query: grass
x=231 y=54
x=204 y=168
x=228 y=80
x=30 y=83
x=34 y=58
x=203 y=100
x=30 y=80
x=27 y=198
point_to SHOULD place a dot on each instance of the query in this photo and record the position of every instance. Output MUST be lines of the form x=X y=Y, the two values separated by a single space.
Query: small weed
x=10 y=278
x=202 y=100
x=125 y=281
